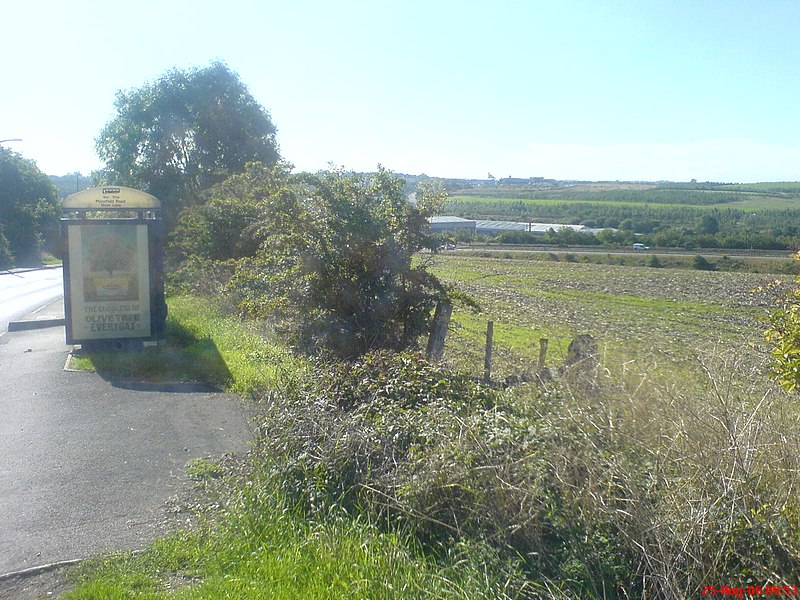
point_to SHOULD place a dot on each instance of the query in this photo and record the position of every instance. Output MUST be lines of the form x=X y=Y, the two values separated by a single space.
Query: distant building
x=495 y=227
x=445 y=223
x=528 y=181
x=451 y=224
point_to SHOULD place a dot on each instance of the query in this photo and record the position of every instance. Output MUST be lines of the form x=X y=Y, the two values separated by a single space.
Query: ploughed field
x=657 y=320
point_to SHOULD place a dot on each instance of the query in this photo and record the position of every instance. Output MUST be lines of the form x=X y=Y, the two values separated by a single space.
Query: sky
x=631 y=90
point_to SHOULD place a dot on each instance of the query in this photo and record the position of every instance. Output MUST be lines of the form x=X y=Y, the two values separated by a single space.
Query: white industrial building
x=445 y=223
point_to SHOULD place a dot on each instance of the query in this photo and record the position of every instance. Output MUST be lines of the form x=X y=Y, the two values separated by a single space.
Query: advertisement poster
x=109 y=281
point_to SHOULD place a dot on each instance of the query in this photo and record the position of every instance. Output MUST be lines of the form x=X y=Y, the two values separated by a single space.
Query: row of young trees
x=674 y=227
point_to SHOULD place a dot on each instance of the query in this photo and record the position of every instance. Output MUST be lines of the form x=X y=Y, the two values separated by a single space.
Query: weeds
x=261 y=545
x=630 y=492
x=200 y=469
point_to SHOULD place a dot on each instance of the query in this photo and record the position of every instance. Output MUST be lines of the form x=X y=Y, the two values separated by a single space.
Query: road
x=89 y=464
x=24 y=291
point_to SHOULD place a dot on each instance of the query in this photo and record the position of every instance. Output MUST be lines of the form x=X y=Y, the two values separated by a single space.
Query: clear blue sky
x=568 y=89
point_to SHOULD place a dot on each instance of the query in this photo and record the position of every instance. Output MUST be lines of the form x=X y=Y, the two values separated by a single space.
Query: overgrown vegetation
x=328 y=259
x=674 y=468
x=783 y=332
x=601 y=496
x=663 y=474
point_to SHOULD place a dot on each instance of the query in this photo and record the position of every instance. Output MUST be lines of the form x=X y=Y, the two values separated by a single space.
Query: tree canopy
x=183 y=133
x=29 y=211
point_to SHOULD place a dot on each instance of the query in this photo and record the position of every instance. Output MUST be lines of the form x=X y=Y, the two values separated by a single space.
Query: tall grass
x=266 y=548
x=255 y=362
x=625 y=488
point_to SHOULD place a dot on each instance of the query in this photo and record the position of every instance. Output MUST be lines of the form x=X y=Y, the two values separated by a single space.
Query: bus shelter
x=113 y=269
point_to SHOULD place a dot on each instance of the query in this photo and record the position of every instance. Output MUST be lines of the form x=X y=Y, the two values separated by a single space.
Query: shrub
x=445 y=456
x=329 y=256
x=654 y=262
x=700 y=263
x=337 y=267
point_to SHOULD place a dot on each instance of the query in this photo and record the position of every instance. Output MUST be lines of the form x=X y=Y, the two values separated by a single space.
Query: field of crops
x=745 y=196
x=658 y=319
x=671 y=215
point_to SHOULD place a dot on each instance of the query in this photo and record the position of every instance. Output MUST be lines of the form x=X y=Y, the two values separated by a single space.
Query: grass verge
x=256 y=543
x=204 y=344
x=263 y=547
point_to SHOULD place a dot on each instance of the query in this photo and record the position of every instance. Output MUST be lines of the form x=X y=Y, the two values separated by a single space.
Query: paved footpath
x=87 y=466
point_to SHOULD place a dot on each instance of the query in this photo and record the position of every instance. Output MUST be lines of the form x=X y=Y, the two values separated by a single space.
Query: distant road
x=23 y=291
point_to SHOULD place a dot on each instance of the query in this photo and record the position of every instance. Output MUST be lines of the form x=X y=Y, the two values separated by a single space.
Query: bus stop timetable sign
x=105 y=198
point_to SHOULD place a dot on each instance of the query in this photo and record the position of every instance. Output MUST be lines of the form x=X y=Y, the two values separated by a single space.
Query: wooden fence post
x=542 y=352
x=441 y=321
x=487 y=362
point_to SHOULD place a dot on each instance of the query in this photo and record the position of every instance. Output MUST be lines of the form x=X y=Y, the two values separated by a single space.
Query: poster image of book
x=110 y=262
x=109 y=281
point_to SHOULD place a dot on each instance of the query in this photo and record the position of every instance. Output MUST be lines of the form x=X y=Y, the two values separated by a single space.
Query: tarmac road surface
x=24 y=290
x=87 y=466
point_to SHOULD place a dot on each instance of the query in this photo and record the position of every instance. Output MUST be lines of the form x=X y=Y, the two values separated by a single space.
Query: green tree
x=29 y=211
x=229 y=224
x=708 y=224
x=336 y=266
x=183 y=133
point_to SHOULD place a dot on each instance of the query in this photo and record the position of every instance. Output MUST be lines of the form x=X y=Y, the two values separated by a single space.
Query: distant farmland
x=765 y=216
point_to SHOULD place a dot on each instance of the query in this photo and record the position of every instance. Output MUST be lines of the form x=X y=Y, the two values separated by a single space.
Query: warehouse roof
x=442 y=222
